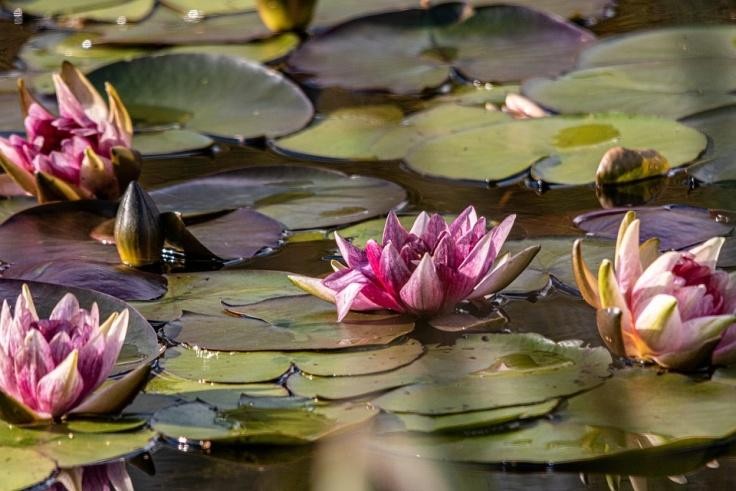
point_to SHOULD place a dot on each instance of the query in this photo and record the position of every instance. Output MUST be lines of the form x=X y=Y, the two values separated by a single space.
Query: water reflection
x=104 y=477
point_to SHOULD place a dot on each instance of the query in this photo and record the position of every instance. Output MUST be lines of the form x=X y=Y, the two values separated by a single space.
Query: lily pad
x=288 y=323
x=246 y=100
x=676 y=226
x=553 y=262
x=663 y=44
x=212 y=7
x=381 y=132
x=121 y=13
x=475 y=359
x=263 y=50
x=240 y=368
x=562 y=149
x=718 y=163
x=166 y=27
x=408 y=51
x=467 y=421
x=205 y=292
x=140 y=342
x=158 y=143
x=17 y=474
x=118 y=281
x=672 y=89
x=223 y=396
x=638 y=414
x=134 y=9
x=331 y=12
x=299 y=197
x=253 y=425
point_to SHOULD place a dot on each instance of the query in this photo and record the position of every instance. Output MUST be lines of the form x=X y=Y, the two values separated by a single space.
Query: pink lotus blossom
x=425 y=271
x=76 y=154
x=51 y=365
x=675 y=309
x=103 y=477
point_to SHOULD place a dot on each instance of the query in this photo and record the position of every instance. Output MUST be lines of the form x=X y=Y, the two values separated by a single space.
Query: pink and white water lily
x=425 y=271
x=675 y=309
x=50 y=366
x=84 y=152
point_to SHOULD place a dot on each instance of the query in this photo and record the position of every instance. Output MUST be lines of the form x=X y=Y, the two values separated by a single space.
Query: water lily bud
x=286 y=15
x=621 y=164
x=138 y=233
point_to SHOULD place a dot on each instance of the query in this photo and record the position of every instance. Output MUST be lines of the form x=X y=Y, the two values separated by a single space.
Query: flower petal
x=659 y=323
x=504 y=274
x=423 y=292
x=627 y=263
x=85 y=94
x=313 y=286
x=66 y=308
x=707 y=253
x=609 y=294
x=351 y=254
x=60 y=388
x=609 y=327
x=393 y=231
x=587 y=283
x=345 y=297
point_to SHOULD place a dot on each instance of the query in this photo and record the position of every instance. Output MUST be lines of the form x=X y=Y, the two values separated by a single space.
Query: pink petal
x=351 y=254
x=393 y=231
x=707 y=253
x=435 y=228
x=66 y=308
x=345 y=297
x=627 y=262
x=393 y=271
x=423 y=292
x=60 y=388
x=32 y=363
x=69 y=106
x=464 y=222
x=420 y=224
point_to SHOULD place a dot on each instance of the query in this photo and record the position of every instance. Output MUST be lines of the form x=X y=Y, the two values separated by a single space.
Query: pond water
x=544 y=211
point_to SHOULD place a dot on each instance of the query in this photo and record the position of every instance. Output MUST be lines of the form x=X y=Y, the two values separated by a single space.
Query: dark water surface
x=332 y=466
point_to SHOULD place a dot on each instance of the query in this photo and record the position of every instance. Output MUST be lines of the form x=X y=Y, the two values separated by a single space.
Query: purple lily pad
x=676 y=226
x=299 y=197
x=408 y=51
x=119 y=281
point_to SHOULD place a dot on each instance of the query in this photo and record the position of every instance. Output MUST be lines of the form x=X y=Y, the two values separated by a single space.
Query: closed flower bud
x=139 y=236
x=621 y=164
x=286 y=15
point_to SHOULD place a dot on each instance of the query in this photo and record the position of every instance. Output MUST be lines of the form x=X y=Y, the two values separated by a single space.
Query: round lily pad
x=167 y=27
x=158 y=143
x=638 y=414
x=381 y=132
x=140 y=341
x=299 y=197
x=718 y=163
x=287 y=323
x=245 y=100
x=412 y=50
x=676 y=226
x=253 y=425
x=475 y=356
x=212 y=7
x=663 y=44
x=553 y=262
x=99 y=10
x=205 y=292
x=18 y=474
x=673 y=89
x=116 y=280
x=561 y=149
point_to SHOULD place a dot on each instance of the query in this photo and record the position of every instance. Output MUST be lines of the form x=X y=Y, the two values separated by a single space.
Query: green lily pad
x=331 y=12
x=408 y=51
x=104 y=426
x=477 y=94
x=263 y=50
x=223 y=396
x=157 y=143
x=71 y=449
x=245 y=100
x=381 y=132
x=168 y=28
x=467 y=421
x=562 y=149
x=474 y=358
x=212 y=7
x=121 y=13
x=663 y=44
x=554 y=261
x=134 y=9
x=672 y=89
x=290 y=324
x=140 y=342
x=299 y=197
x=718 y=163
x=638 y=414
x=18 y=474
x=239 y=368
x=204 y=293
x=253 y=425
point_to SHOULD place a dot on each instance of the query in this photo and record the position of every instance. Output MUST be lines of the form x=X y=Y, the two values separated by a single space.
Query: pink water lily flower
x=425 y=271
x=52 y=365
x=84 y=152
x=102 y=477
x=675 y=309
